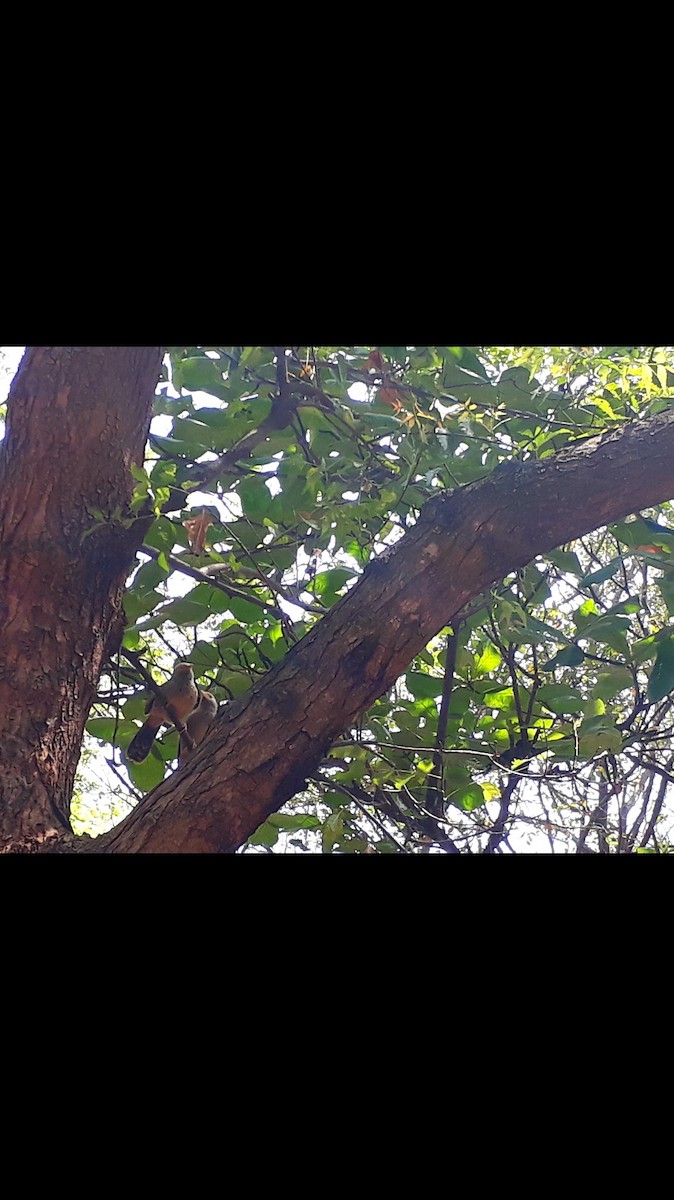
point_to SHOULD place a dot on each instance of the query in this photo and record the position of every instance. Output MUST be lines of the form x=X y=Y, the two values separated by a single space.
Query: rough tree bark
x=258 y=754
x=77 y=418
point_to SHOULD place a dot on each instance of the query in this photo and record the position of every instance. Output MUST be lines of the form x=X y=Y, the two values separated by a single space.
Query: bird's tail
x=140 y=746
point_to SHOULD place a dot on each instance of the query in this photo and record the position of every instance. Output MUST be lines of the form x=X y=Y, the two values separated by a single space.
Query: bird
x=182 y=694
x=198 y=722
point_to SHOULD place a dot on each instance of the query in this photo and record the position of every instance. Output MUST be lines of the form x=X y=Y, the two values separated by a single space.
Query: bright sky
x=10 y=357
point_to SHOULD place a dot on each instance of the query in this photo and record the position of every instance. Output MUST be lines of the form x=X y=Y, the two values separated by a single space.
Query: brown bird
x=198 y=722
x=181 y=693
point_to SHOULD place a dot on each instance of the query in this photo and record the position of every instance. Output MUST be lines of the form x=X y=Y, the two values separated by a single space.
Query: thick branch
x=260 y=752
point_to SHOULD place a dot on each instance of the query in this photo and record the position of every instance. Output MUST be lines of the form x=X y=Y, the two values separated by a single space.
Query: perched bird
x=198 y=722
x=181 y=693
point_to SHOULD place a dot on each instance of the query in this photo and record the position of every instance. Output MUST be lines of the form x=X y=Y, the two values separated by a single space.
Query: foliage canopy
x=542 y=718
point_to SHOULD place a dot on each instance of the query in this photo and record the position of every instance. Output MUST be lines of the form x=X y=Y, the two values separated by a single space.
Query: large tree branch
x=263 y=747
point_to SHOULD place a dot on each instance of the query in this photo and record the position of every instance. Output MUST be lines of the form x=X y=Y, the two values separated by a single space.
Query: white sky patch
x=161 y=426
x=359 y=392
x=205 y=400
x=10 y=357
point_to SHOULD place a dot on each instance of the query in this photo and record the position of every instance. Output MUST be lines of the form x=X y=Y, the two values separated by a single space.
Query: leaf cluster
x=547 y=701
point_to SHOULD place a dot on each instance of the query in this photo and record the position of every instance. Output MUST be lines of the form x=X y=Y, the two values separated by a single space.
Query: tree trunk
x=259 y=753
x=77 y=418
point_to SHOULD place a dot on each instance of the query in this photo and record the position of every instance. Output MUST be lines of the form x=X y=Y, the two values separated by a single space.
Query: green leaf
x=560 y=698
x=161 y=536
x=354 y=846
x=488 y=660
x=194 y=608
x=243 y=610
x=422 y=685
x=666 y=588
x=255 y=356
x=172 y=446
x=586 y=612
x=598 y=735
x=396 y=353
x=605 y=573
x=609 y=630
x=643 y=649
x=107 y=729
x=570 y=656
x=612 y=681
x=185 y=612
x=501 y=698
x=535 y=631
x=328 y=584
x=333 y=828
x=235 y=682
x=520 y=626
x=137 y=605
x=192 y=433
x=134 y=707
x=266 y=835
x=168 y=745
x=661 y=681
x=460 y=701
x=255 y=497
x=147 y=774
x=296 y=821
x=205 y=657
x=471 y=362
x=163 y=475
x=202 y=375
x=643 y=533
x=469 y=797
x=146 y=579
